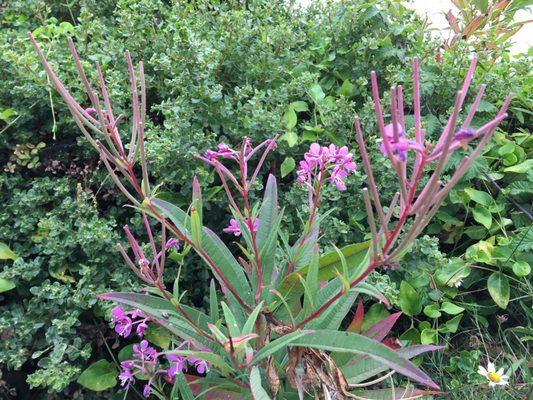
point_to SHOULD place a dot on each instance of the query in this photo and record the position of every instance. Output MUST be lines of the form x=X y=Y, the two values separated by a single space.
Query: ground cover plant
x=304 y=86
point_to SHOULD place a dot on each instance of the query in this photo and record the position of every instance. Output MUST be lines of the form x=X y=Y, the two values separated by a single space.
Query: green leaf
x=278 y=344
x=250 y=322
x=520 y=268
x=299 y=106
x=450 y=308
x=478 y=196
x=213 y=247
x=287 y=166
x=316 y=93
x=290 y=118
x=158 y=336
x=428 y=336
x=213 y=303
x=6 y=253
x=290 y=137
x=483 y=216
x=409 y=300
x=231 y=323
x=451 y=325
x=432 y=311
x=348 y=89
x=258 y=393
x=6 y=285
x=348 y=342
x=181 y=386
x=498 y=286
x=99 y=376
x=521 y=168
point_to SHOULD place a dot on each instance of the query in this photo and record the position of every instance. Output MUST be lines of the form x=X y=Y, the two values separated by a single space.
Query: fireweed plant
x=283 y=302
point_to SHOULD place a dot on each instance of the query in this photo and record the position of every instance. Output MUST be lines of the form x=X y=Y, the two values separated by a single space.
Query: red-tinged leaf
x=473 y=26
x=502 y=5
x=381 y=329
x=452 y=21
x=357 y=322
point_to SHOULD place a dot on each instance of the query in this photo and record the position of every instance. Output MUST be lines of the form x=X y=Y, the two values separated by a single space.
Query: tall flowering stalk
x=283 y=306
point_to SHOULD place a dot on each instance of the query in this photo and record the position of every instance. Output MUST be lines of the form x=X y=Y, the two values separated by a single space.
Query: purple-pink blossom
x=233 y=226
x=398 y=147
x=464 y=134
x=319 y=160
x=124 y=321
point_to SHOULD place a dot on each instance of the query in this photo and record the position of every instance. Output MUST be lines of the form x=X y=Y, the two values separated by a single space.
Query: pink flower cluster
x=233 y=226
x=321 y=159
x=224 y=151
x=400 y=146
x=147 y=362
x=125 y=321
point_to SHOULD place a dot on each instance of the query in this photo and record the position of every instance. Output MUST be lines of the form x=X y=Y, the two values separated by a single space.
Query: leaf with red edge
x=381 y=329
x=357 y=322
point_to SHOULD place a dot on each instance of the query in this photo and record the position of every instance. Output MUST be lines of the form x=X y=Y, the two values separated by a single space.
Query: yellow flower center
x=494 y=377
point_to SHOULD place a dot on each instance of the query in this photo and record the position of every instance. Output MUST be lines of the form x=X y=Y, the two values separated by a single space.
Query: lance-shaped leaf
x=213 y=303
x=231 y=322
x=354 y=254
x=213 y=247
x=362 y=367
x=357 y=344
x=381 y=329
x=165 y=314
x=249 y=325
x=278 y=344
x=258 y=392
x=396 y=393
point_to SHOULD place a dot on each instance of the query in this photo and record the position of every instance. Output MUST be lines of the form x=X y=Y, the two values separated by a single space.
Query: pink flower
x=178 y=364
x=122 y=322
x=399 y=147
x=316 y=154
x=337 y=177
x=304 y=172
x=90 y=111
x=233 y=226
x=172 y=243
x=126 y=377
x=464 y=134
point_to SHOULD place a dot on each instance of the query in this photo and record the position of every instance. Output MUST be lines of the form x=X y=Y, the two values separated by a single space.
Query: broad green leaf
x=348 y=89
x=158 y=336
x=410 y=302
x=451 y=325
x=478 y=196
x=287 y=166
x=278 y=344
x=498 y=286
x=521 y=168
x=99 y=376
x=258 y=393
x=428 y=336
x=5 y=285
x=432 y=311
x=316 y=93
x=290 y=118
x=450 y=308
x=483 y=216
x=397 y=393
x=290 y=137
x=349 y=342
x=6 y=253
x=520 y=268
x=299 y=106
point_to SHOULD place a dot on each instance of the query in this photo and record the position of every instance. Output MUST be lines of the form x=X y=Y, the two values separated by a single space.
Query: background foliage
x=218 y=71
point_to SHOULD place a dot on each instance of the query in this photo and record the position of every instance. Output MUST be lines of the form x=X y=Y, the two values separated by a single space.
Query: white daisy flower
x=495 y=378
